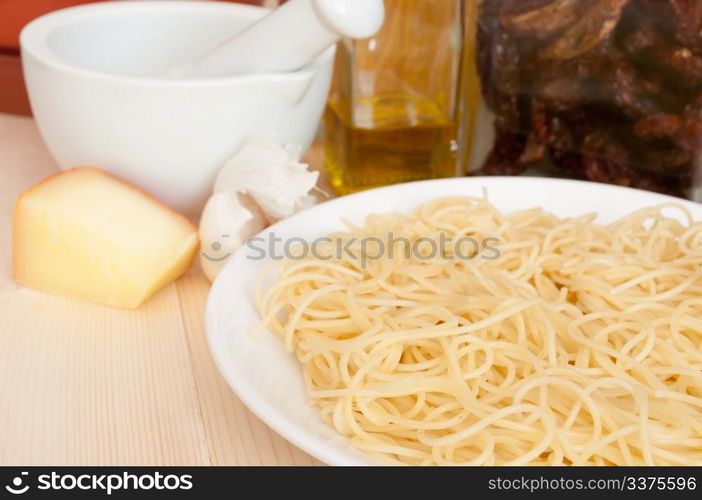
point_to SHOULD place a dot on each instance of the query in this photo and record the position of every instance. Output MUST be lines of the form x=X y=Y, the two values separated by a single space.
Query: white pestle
x=288 y=38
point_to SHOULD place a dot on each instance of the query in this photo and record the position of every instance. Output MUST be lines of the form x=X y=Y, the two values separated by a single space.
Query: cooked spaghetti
x=581 y=344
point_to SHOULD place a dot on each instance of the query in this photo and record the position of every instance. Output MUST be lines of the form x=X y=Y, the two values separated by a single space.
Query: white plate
x=269 y=380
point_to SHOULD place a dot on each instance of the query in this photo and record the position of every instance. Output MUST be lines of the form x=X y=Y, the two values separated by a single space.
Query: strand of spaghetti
x=670 y=293
x=403 y=337
x=649 y=276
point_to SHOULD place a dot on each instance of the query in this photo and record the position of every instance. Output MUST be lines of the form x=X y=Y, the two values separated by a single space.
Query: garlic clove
x=262 y=183
x=294 y=151
x=227 y=221
x=272 y=175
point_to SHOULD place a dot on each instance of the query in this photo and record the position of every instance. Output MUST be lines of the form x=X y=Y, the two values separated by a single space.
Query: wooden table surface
x=82 y=384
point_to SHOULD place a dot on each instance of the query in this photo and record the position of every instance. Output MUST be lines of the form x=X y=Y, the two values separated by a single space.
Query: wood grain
x=234 y=434
x=86 y=384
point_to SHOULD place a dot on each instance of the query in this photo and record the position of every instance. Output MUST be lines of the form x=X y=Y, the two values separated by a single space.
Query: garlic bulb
x=227 y=221
x=261 y=184
x=273 y=176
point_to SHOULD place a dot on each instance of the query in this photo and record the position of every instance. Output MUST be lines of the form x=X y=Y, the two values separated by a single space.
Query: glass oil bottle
x=401 y=106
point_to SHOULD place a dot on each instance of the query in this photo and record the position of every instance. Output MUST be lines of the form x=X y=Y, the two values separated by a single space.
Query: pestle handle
x=289 y=38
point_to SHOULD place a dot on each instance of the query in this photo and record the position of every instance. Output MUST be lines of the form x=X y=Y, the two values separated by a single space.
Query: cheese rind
x=87 y=234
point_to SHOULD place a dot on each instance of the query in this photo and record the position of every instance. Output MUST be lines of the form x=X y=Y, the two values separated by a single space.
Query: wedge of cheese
x=87 y=234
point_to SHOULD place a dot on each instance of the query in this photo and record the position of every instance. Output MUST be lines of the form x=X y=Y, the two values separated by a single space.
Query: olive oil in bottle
x=395 y=140
x=396 y=102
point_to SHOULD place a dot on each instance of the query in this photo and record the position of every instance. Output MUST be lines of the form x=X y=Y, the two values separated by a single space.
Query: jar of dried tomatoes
x=605 y=90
